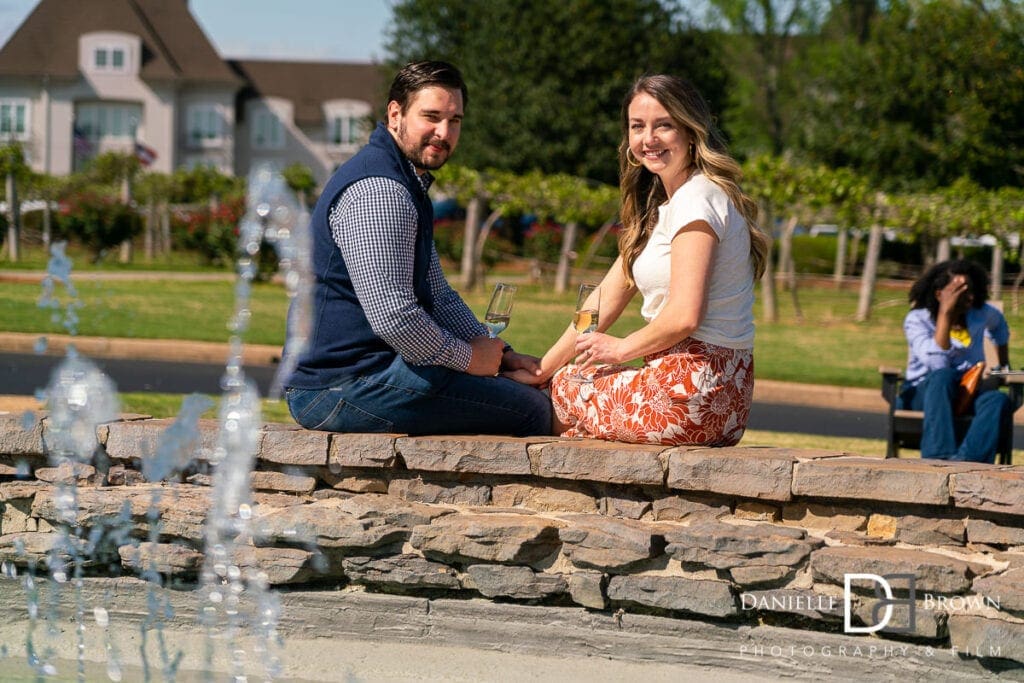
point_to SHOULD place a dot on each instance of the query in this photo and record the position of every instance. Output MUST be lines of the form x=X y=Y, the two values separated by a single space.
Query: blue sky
x=330 y=30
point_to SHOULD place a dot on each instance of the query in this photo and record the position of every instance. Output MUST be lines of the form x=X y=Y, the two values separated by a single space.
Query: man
x=393 y=348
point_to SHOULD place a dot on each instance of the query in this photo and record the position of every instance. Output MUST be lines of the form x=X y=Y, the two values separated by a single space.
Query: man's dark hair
x=416 y=76
x=922 y=294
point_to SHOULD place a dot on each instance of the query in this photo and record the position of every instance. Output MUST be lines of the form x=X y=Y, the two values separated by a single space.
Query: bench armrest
x=890 y=384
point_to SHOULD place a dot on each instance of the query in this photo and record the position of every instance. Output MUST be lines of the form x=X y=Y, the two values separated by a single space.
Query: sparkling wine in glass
x=587 y=316
x=500 y=309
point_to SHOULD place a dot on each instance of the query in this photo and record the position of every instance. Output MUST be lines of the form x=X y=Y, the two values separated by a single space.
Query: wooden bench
x=904 y=426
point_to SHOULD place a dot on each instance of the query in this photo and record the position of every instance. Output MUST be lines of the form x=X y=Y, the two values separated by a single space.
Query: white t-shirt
x=729 y=319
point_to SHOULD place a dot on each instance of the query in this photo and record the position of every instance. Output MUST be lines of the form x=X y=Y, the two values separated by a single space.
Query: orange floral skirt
x=693 y=393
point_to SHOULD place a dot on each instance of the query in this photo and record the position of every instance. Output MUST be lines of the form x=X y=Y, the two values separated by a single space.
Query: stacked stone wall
x=732 y=536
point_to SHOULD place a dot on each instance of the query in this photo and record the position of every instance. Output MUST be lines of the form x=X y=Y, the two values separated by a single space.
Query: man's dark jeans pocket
x=327 y=410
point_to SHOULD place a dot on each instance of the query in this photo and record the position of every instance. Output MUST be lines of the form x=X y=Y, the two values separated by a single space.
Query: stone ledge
x=669 y=532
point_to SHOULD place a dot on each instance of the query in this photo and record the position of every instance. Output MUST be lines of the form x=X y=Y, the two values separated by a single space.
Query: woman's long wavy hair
x=642 y=192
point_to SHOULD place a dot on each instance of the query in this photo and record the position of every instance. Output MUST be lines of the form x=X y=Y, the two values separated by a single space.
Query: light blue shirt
x=924 y=355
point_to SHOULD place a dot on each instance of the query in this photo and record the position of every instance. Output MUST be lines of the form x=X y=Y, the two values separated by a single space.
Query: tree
x=301 y=180
x=761 y=37
x=936 y=92
x=546 y=79
x=14 y=169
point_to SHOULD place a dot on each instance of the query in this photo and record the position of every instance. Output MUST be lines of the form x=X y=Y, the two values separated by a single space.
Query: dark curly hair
x=922 y=294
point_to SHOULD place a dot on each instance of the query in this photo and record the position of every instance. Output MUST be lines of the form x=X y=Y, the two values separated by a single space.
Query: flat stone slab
x=993 y=489
x=608 y=544
x=709 y=597
x=476 y=454
x=290 y=445
x=762 y=473
x=362 y=450
x=597 y=460
x=142 y=439
x=985 y=638
x=520 y=583
x=986 y=531
x=931 y=571
x=724 y=546
x=893 y=479
x=17 y=439
x=325 y=523
x=499 y=537
x=401 y=571
x=1006 y=589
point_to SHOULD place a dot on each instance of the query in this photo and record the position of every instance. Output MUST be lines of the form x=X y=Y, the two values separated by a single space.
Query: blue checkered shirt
x=374 y=224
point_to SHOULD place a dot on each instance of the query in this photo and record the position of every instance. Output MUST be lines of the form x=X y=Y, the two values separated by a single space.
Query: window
x=205 y=125
x=348 y=124
x=13 y=119
x=345 y=130
x=97 y=121
x=108 y=58
x=267 y=131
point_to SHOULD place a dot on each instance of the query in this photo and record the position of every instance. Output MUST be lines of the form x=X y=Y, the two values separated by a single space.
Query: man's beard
x=416 y=151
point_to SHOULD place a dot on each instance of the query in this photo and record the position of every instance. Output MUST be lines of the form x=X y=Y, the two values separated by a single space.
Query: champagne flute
x=499 y=310
x=586 y=317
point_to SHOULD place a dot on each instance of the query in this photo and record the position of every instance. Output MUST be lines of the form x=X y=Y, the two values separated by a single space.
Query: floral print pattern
x=693 y=393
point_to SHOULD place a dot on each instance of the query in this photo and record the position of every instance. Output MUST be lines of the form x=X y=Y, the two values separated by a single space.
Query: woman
x=945 y=332
x=690 y=246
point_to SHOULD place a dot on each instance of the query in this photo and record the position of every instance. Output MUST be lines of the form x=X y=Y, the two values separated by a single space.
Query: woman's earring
x=631 y=162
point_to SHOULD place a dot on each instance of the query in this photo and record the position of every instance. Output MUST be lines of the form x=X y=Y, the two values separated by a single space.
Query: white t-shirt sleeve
x=693 y=202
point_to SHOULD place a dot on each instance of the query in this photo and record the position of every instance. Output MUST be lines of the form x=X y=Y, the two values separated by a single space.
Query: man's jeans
x=938 y=439
x=409 y=399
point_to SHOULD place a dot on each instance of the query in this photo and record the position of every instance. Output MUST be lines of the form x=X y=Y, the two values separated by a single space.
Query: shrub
x=98 y=221
x=543 y=241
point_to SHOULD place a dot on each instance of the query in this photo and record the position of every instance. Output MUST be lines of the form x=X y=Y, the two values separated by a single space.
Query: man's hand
x=522 y=368
x=486 y=359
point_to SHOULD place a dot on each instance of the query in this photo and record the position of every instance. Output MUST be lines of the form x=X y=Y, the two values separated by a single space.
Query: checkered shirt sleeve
x=374 y=224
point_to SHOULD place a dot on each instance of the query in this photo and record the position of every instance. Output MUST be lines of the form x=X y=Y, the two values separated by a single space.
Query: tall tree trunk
x=870 y=274
x=126 y=198
x=13 y=219
x=942 y=251
x=855 y=251
x=997 y=272
x=47 y=226
x=147 y=237
x=840 y=265
x=769 y=305
x=474 y=211
x=789 y=274
x=165 y=227
x=481 y=240
x=567 y=256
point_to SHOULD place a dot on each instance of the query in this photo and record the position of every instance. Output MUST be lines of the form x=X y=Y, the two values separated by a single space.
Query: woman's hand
x=597 y=348
x=950 y=296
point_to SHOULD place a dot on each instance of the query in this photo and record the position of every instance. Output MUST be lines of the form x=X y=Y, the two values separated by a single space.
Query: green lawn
x=827 y=347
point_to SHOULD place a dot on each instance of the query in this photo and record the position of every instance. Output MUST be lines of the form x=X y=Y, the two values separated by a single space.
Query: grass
x=826 y=347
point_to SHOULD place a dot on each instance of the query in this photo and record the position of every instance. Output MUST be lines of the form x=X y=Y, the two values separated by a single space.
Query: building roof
x=309 y=84
x=174 y=46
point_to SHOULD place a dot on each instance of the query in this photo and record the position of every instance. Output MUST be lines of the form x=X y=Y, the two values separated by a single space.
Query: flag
x=144 y=153
x=82 y=145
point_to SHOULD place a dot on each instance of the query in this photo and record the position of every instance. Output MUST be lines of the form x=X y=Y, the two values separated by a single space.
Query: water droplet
x=40 y=345
x=101 y=616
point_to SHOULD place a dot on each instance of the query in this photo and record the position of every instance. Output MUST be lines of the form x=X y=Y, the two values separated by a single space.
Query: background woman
x=945 y=330
x=690 y=246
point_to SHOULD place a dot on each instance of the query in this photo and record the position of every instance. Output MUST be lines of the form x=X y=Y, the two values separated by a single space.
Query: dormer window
x=109 y=59
x=109 y=53
x=348 y=124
